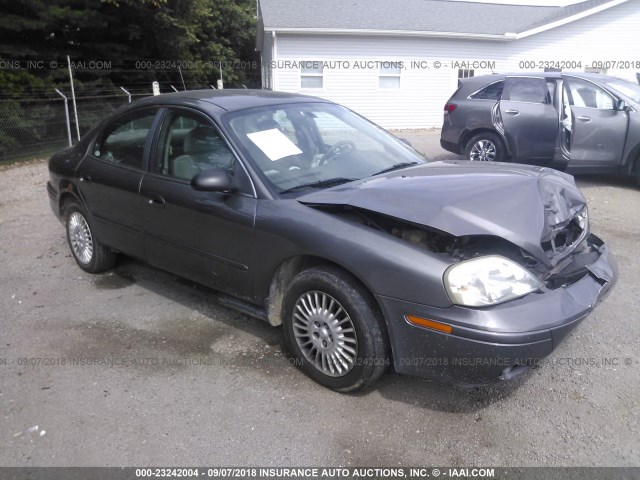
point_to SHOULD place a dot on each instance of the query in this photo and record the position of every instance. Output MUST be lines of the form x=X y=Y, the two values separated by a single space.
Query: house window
x=389 y=76
x=465 y=73
x=311 y=75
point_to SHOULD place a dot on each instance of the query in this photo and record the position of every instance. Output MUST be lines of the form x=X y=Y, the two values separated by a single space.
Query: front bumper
x=487 y=344
x=53 y=199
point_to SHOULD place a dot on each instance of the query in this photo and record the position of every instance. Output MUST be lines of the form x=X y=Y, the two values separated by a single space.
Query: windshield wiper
x=397 y=166
x=331 y=182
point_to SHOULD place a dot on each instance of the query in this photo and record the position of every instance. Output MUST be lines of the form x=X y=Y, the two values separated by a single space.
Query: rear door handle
x=85 y=179
x=156 y=200
x=584 y=119
x=512 y=112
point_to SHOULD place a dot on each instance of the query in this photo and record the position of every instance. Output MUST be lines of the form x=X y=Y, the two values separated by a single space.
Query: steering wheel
x=340 y=148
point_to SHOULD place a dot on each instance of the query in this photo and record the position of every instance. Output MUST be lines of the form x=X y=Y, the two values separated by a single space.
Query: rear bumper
x=450 y=136
x=487 y=343
x=450 y=146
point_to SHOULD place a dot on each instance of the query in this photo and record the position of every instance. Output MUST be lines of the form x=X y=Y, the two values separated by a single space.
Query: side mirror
x=212 y=181
x=619 y=105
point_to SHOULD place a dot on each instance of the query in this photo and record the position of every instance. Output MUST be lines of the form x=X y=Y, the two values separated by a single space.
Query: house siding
x=418 y=103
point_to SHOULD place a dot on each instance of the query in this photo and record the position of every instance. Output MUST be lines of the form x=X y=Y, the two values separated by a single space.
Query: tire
x=89 y=253
x=354 y=347
x=485 y=147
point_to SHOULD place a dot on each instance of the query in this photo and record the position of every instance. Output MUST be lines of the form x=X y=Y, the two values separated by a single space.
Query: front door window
x=190 y=144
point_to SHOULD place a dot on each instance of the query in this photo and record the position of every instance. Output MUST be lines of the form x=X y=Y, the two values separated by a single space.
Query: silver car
x=579 y=122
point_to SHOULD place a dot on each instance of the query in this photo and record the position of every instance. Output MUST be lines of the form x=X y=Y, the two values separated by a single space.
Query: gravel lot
x=163 y=403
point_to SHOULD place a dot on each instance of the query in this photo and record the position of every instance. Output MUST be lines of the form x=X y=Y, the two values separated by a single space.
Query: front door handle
x=584 y=119
x=512 y=112
x=156 y=200
x=85 y=179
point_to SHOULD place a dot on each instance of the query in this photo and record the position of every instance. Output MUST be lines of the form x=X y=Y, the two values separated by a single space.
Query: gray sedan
x=299 y=212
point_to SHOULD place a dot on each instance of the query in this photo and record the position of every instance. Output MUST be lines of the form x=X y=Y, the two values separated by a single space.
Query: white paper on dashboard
x=274 y=144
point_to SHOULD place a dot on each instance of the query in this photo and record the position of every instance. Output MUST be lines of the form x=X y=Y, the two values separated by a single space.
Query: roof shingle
x=413 y=15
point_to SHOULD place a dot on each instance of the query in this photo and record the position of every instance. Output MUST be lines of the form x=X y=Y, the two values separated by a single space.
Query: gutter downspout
x=274 y=60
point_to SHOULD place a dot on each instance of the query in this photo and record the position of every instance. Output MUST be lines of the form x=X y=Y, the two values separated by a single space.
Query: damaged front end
x=566 y=219
x=535 y=218
x=568 y=246
x=503 y=337
x=523 y=266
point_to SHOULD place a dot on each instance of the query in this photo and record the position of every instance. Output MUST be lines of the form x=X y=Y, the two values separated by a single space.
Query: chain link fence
x=33 y=128
x=30 y=128
x=92 y=110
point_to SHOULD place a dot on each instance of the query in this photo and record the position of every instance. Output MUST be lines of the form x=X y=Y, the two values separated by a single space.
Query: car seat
x=202 y=148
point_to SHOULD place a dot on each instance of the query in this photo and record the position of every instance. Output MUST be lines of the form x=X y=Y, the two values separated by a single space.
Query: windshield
x=628 y=89
x=299 y=147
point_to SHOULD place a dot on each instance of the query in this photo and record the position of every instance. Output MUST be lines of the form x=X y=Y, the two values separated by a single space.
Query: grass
x=14 y=161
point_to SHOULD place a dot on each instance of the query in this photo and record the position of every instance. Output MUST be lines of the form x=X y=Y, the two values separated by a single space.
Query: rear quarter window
x=490 y=92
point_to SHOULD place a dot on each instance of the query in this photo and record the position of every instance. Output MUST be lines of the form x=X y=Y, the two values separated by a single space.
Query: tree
x=190 y=34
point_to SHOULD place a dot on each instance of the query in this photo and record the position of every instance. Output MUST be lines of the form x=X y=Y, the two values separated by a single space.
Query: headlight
x=488 y=280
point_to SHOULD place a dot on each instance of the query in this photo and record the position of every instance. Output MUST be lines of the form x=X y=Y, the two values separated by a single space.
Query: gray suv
x=580 y=122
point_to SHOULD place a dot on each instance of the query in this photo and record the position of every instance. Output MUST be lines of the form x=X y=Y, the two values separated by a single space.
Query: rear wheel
x=334 y=329
x=485 y=147
x=90 y=254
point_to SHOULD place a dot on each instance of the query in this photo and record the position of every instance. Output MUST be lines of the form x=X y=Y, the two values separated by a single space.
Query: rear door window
x=123 y=141
x=526 y=89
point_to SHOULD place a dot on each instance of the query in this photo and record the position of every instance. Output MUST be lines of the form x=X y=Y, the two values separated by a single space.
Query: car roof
x=470 y=85
x=231 y=99
x=480 y=79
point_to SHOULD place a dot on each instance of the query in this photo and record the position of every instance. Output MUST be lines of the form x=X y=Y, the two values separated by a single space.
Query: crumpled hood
x=521 y=204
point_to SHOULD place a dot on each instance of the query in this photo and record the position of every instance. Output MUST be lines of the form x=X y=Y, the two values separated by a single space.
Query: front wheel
x=335 y=330
x=90 y=254
x=484 y=147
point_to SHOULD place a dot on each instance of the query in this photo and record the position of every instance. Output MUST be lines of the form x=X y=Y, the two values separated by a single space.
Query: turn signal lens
x=423 y=322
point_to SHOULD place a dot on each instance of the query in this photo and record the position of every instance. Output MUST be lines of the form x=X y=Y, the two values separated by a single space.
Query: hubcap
x=483 y=151
x=325 y=333
x=80 y=238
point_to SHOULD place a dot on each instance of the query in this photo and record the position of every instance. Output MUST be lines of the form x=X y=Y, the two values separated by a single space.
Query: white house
x=397 y=62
